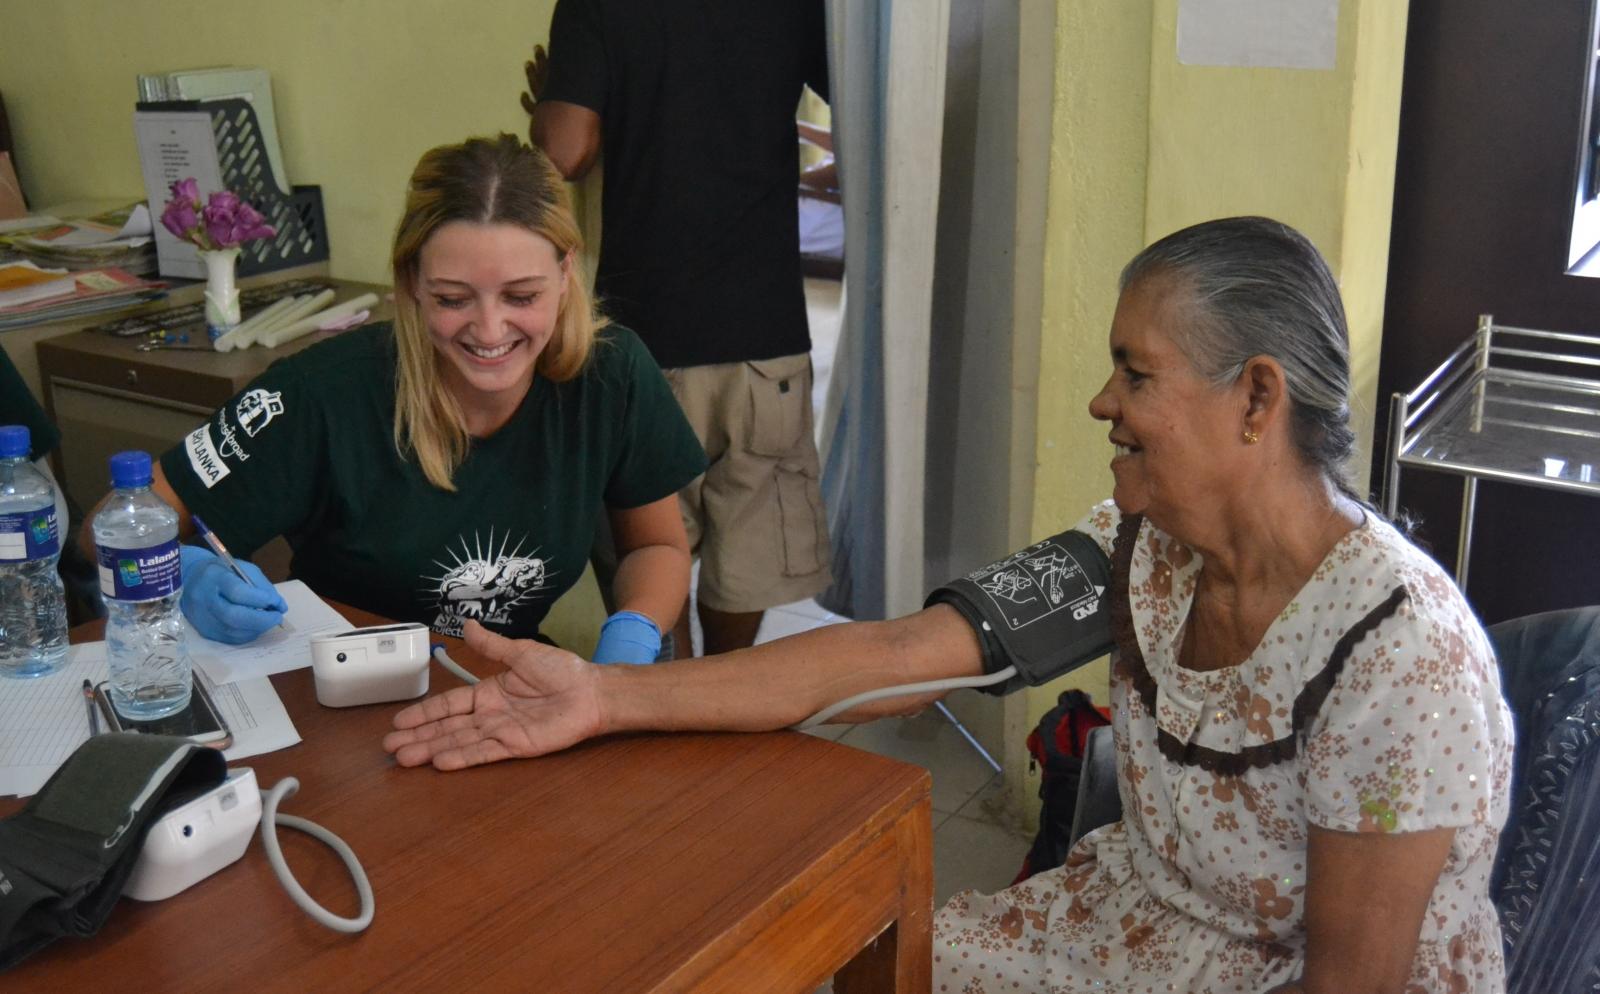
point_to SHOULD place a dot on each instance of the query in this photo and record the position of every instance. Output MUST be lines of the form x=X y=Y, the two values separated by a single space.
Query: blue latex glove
x=628 y=637
x=223 y=607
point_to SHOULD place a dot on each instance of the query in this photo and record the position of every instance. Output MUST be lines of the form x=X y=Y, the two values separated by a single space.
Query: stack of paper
x=23 y=283
x=91 y=293
x=119 y=238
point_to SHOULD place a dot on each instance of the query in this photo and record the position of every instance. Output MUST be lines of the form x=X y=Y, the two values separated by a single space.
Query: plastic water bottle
x=136 y=543
x=33 y=604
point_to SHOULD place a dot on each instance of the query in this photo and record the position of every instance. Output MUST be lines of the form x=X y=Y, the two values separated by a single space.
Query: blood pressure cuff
x=1045 y=610
x=65 y=857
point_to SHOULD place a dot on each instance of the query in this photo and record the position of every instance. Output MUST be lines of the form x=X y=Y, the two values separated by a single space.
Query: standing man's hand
x=537 y=70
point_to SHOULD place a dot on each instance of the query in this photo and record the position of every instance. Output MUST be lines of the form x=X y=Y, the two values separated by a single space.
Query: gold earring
x=1250 y=437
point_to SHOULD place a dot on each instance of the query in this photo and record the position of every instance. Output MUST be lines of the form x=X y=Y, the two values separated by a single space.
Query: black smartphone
x=199 y=722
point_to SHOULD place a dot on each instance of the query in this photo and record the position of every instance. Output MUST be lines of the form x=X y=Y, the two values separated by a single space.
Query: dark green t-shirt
x=307 y=452
x=18 y=407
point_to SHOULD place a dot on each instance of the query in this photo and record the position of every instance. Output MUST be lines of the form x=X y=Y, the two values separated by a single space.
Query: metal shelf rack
x=1511 y=404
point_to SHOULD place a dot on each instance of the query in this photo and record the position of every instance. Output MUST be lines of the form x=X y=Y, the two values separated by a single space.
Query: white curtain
x=888 y=83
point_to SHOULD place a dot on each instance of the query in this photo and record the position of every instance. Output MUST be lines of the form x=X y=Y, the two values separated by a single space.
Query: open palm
x=545 y=701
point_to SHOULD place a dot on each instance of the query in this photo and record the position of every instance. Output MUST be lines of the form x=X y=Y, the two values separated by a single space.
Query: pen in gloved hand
x=221 y=550
x=257 y=582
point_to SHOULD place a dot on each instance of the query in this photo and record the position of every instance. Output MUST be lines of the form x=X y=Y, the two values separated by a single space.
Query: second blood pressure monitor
x=371 y=665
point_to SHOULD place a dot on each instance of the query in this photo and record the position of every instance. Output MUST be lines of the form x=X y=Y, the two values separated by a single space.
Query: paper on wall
x=1275 y=34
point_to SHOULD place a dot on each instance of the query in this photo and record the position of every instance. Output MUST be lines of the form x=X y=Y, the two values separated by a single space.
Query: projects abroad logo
x=257 y=408
x=230 y=439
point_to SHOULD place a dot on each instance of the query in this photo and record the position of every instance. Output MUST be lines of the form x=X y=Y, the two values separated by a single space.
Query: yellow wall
x=361 y=87
x=1094 y=223
x=1313 y=148
x=1142 y=146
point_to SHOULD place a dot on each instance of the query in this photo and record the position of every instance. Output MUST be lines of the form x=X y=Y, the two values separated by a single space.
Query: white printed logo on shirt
x=256 y=409
x=203 y=457
x=484 y=585
x=230 y=439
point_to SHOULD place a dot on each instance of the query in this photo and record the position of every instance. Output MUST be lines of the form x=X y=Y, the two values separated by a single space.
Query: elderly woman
x=1313 y=751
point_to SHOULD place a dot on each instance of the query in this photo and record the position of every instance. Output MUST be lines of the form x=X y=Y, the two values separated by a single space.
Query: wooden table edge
x=891 y=951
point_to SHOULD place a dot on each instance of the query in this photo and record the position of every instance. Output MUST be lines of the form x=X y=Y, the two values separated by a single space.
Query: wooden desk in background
x=640 y=863
x=106 y=396
x=21 y=343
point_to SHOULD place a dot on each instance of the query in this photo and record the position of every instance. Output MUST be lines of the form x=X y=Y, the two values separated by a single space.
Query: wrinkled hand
x=536 y=70
x=223 y=607
x=545 y=701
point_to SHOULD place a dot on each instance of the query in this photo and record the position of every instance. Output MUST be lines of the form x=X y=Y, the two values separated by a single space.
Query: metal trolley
x=1511 y=404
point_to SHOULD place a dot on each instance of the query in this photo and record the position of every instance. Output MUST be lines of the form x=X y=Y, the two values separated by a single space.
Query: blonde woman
x=453 y=466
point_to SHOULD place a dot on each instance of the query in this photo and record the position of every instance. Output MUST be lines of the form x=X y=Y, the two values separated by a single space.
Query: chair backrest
x=1098 y=801
x=1545 y=873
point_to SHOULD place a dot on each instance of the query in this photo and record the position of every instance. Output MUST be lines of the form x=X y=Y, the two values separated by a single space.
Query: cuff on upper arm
x=1044 y=610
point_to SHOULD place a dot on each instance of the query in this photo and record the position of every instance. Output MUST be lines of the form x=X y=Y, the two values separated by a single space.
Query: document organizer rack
x=302 y=234
x=1511 y=404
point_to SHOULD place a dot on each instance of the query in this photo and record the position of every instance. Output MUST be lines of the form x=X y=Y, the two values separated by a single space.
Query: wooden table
x=717 y=862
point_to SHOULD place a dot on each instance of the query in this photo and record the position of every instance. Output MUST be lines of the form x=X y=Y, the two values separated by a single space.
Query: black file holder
x=302 y=232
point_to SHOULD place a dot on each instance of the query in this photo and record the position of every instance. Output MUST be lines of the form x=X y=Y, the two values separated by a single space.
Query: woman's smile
x=486 y=354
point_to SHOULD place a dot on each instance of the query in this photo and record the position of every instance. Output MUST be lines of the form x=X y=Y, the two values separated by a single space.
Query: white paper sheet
x=1277 y=34
x=44 y=719
x=31 y=221
x=83 y=234
x=285 y=648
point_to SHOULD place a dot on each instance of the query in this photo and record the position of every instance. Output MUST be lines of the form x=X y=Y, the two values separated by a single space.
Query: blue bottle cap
x=130 y=469
x=14 y=441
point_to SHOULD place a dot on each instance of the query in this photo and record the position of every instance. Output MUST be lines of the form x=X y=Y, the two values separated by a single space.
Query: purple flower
x=187 y=190
x=251 y=225
x=224 y=221
x=180 y=218
x=223 y=200
x=181 y=213
x=230 y=221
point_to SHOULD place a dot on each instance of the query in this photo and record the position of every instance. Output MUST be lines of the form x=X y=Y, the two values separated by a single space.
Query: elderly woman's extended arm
x=547 y=699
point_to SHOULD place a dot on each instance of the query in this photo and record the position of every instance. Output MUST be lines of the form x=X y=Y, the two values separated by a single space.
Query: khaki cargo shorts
x=755 y=519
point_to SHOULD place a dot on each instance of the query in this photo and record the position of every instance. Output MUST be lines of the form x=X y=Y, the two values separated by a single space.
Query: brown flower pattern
x=1202 y=886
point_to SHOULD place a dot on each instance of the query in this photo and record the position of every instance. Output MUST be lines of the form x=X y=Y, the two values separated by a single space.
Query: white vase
x=222 y=294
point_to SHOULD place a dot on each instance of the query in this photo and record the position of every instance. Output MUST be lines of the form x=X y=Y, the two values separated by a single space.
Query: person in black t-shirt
x=452 y=466
x=693 y=106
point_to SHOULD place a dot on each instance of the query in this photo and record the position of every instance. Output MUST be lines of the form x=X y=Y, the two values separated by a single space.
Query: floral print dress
x=1372 y=704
